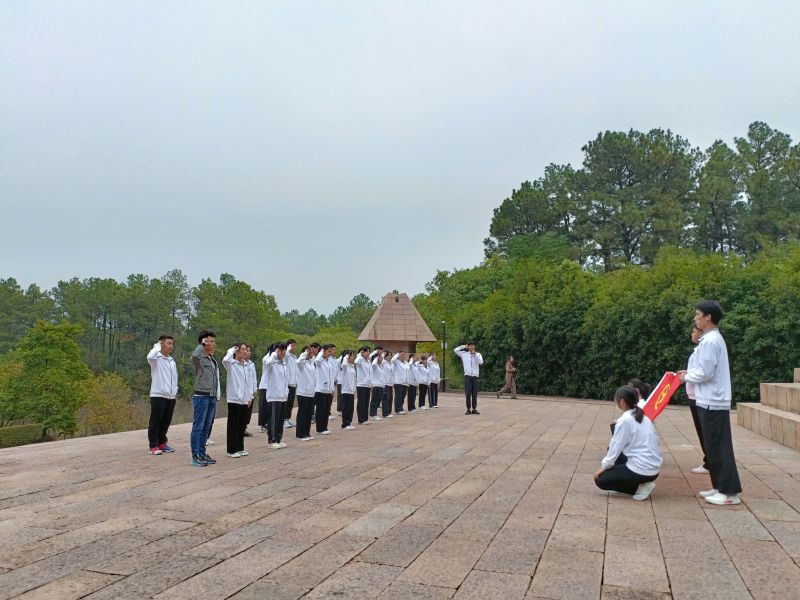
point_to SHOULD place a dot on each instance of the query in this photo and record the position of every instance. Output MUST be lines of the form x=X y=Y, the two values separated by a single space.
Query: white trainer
x=275 y=446
x=701 y=470
x=423 y=408
x=708 y=493
x=402 y=412
x=390 y=416
x=210 y=442
x=307 y=438
x=723 y=499
x=377 y=418
x=349 y=427
x=644 y=490
x=243 y=453
x=326 y=432
x=282 y=444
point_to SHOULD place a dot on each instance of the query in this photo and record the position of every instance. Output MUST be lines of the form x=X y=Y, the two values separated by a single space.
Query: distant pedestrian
x=511 y=379
x=163 y=390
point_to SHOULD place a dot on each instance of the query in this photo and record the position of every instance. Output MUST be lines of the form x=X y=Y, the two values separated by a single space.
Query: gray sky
x=321 y=149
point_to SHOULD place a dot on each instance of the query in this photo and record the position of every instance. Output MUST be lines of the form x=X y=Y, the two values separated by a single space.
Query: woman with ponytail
x=634 y=458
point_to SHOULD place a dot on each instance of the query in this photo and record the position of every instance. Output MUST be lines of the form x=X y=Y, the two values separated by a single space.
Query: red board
x=661 y=395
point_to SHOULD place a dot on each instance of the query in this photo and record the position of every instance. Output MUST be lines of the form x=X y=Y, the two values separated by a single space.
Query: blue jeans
x=205 y=407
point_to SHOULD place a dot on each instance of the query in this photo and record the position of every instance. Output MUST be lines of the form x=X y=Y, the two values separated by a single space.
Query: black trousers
x=235 y=429
x=322 y=405
x=288 y=406
x=412 y=397
x=433 y=399
x=400 y=392
x=263 y=409
x=348 y=400
x=471 y=391
x=696 y=419
x=620 y=478
x=275 y=428
x=362 y=404
x=716 y=428
x=338 y=397
x=161 y=410
x=305 y=406
x=375 y=402
x=387 y=400
x=248 y=415
x=423 y=393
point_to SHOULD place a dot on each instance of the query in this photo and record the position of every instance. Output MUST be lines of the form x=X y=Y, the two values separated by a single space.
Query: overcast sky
x=321 y=149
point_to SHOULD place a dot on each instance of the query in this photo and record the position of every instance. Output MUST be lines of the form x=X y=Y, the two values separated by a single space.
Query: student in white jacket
x=239 y=393
x=251 y=370
x=411 y=367
x=306 y=382
x=291 y=362
x=163 y=390
x=634 y=459
x=400 y=380
x=348 y=381
x=711 y=377
x=472 y=362
x=434 y=374
x=363 y=366
x=326 y=374
x=690 y=391
x=277 y=392
x=423 y=377
x=387 y=401
x=378 y=379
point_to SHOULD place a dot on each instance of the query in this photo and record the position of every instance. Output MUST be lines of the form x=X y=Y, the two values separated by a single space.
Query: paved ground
x=427 y=506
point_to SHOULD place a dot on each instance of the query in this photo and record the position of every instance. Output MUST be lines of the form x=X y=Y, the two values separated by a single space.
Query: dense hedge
x=582 y=334
x=19 y=435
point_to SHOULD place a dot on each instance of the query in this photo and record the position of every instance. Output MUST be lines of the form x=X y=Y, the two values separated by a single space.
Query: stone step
x=783 y=396
x=797 y=375
x=778 y=425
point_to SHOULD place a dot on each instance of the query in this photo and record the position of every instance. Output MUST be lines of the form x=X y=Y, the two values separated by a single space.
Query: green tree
x=355 y=315
x=51 y=383
x=717 y=207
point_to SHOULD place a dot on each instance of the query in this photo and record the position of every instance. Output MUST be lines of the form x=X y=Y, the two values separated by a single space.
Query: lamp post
x=444 y=357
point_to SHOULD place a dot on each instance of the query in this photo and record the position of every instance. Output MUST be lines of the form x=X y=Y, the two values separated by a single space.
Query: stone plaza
x=428 y=506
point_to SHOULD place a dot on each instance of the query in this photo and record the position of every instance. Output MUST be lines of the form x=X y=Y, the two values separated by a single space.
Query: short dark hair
x=711 y=308
x=313 y=345
x=378 y=347
x=470 y=343
x=279 y=346
x=641 y=386
x=291 y=341
x=303 y=349
x=205 y=333
x=327 y=346
x=165 y=337
x=364 y=349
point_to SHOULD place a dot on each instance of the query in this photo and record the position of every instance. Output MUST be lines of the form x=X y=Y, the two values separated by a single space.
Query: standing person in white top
x=163 y=390
x=277 y=392
x=306 y=382
x=434 y=374
x=690 y=391
x=423 y=377
x=239 y=393
x=387 y=400
x=251 y=370
x=634 y=460
x=291 y=363
x=400 y=380
x=363 y=364
x=711 y=377
x=326 y=372
x=472 y=362
x=263 y=408
x=412 y=382
x=348 y=380
x=378 y=379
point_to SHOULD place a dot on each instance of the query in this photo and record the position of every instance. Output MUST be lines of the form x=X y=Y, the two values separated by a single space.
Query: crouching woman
x=634 y=458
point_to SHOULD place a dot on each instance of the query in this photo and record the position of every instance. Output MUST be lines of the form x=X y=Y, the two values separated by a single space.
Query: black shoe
x=469 y=412
x=475 y=411
x=209 y=460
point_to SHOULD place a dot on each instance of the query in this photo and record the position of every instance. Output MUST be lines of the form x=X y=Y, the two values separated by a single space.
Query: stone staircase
x=777 y=416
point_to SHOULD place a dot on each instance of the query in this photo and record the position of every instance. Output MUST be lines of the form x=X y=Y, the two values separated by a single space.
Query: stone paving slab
x=431 y=506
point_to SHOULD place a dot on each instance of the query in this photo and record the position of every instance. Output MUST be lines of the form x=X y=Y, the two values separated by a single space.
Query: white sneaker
x=349 y=427
x=275 y=446
x=700 y=470
x=377 y=418
x=282 y=444
x=423 y=408
x=723 y=499
x=708 y=493
x=243 y=453
x=210 y=442
x=336 y=416
x=616 y=493
x=390 y=416
x=326 y=432
x=305 y=439
x=287 y=424
x=402 y=412
x=644 y=490
x=233 y=454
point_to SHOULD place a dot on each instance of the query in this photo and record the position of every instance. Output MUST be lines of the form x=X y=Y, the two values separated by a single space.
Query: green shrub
x=19 y=435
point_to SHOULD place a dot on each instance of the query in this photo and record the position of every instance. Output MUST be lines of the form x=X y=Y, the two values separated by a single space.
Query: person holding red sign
x=634 y=459
x=711 y=377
